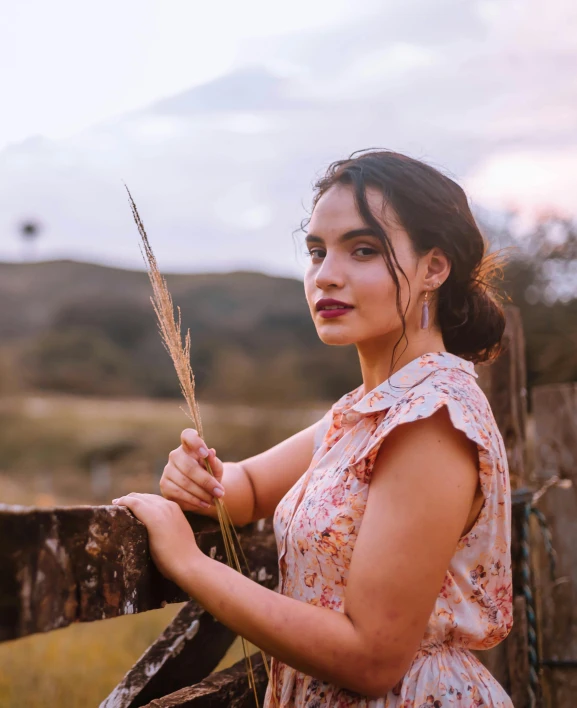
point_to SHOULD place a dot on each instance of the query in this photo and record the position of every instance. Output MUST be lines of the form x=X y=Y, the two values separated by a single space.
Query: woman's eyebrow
x=365 y=231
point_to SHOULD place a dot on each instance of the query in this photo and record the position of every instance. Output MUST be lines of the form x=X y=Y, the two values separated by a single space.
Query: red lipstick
x=328 y=308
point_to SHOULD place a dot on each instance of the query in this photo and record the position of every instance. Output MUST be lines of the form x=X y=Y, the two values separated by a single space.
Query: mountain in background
x=89 y=329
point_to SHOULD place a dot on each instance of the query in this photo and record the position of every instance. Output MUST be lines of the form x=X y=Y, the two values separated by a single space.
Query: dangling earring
x=425 y=312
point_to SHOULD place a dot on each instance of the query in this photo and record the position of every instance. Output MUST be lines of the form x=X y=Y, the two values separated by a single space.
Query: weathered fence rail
x=79 y=564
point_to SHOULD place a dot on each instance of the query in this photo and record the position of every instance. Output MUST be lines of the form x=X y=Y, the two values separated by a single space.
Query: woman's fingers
x=191 y=439
x=181 y=463
x=186 y=479
x=215 y=464
x=190 y=486
x=134 y=499
x=193 y=444
x=131 y=498
x=184 y=498
x=130 y=501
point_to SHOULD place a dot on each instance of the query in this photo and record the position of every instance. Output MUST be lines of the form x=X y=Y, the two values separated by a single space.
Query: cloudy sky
x=219 y=116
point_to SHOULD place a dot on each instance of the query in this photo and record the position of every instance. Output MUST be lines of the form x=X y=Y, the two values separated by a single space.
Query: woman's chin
x=334 y=337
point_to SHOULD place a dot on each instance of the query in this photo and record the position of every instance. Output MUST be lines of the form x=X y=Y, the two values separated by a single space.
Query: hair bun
x=472 y=321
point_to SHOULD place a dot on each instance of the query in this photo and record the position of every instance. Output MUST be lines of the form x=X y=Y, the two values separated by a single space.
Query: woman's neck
x=375 y=356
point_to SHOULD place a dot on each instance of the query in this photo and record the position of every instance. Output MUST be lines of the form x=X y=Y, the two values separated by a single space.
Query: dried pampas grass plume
x=171 y=332
x=170 y=328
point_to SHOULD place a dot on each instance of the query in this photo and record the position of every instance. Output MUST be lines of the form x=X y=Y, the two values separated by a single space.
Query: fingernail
x=204 y=504
x=114 y=501
x=203 y=452
x=218 y=492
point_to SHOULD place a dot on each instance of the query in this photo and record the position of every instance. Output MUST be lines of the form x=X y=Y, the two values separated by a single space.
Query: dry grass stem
x=171 y=332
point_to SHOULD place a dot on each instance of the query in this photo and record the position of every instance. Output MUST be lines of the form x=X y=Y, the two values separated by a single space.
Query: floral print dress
x=317 y=522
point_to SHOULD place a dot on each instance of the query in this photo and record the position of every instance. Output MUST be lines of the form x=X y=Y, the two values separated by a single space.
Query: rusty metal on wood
x=555 y=415
x=78 y=564
x=226 y=688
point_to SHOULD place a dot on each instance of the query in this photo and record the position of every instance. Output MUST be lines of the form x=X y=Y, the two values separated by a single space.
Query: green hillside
x=89 y=329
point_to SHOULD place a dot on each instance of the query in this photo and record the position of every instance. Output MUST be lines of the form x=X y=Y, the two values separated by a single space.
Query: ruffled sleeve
x=468 y=408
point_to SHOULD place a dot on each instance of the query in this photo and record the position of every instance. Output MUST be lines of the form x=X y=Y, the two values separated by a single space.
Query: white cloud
x=529 y=181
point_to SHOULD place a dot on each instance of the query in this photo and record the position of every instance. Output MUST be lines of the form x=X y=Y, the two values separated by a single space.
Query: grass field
x=46 y=448
x=78 y=666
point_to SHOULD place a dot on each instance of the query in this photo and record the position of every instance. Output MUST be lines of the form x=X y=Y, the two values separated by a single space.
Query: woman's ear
x=438 y=267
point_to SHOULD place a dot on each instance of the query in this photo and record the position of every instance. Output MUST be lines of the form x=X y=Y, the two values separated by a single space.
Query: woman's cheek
x=379 y=312
x=309 y=290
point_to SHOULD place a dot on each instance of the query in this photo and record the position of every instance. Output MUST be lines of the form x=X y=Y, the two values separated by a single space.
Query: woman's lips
x=336 y=312
x=328 y=307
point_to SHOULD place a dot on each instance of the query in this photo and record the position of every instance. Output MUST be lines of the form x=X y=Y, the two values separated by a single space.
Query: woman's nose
x=329 y=274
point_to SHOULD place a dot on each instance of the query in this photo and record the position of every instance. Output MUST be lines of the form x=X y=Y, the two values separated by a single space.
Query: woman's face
x=347 y=264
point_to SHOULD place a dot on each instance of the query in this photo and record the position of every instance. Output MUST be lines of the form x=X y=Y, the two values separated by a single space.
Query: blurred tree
x=80 y=362
x=123 y=322
x=541 y=279
x=9 y=373
x=29 y=232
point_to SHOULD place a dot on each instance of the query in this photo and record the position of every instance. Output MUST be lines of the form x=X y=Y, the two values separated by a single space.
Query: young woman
x=392 y=513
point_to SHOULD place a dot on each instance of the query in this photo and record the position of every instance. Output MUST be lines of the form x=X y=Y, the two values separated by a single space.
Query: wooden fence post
x=505 y=385
x=555 y=414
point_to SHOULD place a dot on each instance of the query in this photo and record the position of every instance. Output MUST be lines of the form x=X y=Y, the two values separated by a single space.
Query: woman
x=394 y=558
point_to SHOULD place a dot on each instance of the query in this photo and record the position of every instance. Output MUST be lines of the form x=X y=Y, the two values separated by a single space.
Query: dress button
x=352 y=417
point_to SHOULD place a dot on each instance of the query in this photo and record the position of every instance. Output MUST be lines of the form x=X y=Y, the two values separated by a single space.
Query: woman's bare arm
x=253 y=487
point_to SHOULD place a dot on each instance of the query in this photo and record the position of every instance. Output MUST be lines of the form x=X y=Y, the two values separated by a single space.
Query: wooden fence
x=84 y=563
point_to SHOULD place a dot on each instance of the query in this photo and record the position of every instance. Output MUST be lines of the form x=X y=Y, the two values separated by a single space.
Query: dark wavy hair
x=434 y=211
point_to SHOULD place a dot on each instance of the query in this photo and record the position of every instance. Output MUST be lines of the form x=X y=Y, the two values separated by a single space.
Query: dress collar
x=385 y=394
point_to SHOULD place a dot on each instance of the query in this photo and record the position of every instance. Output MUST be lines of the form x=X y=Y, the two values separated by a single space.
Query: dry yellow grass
x=45 y=442
x=78 y=666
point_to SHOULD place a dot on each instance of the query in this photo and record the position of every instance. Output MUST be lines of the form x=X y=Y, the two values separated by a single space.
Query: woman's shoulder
x=455 y=388
x=468 y=407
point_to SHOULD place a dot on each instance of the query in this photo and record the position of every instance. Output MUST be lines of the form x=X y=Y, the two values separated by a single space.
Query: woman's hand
x=171 y=540
x=185 y=480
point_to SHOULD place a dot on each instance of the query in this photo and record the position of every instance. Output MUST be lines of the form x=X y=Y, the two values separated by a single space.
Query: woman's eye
x=368 y=250
x=363 y=251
